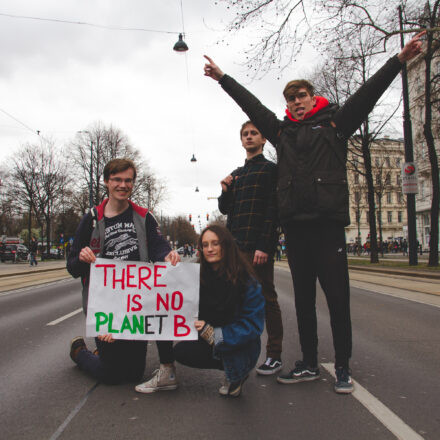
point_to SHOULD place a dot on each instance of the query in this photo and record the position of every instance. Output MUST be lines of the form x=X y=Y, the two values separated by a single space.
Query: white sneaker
x=224 y=389
x=163 y=379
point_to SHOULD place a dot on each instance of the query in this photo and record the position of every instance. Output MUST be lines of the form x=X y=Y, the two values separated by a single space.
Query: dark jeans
x=196 y=354
x=121 y=361
x=318 y=251
x=274 y=323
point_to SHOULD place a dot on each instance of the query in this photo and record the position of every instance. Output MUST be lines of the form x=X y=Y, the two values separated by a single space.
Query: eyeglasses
x=118 y=180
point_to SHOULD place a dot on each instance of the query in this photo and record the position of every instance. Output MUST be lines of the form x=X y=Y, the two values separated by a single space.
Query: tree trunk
x=372 y=210
x=427 y=131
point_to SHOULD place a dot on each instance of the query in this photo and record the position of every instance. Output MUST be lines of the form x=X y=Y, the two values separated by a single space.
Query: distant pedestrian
x=231 y=313
x=33 y=248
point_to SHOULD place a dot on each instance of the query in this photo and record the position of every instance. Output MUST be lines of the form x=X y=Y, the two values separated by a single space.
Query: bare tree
x=40 y=179
x=92 y=149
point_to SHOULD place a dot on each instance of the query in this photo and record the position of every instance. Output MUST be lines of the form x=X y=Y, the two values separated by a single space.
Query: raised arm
x=263 y=118
x=351 y=115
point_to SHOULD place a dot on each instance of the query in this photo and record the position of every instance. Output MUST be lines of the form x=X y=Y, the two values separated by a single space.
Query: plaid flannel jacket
x=250 y=204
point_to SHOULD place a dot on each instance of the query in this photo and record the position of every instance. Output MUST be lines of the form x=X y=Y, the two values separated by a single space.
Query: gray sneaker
x=163 y=379
x=224 y=389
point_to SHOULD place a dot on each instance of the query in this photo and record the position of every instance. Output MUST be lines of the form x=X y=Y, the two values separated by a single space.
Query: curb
x=384 y=270
x=387 y=271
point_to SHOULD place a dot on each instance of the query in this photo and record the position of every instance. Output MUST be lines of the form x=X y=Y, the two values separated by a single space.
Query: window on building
x=398 y=162
x=390 y=216
x=357 y=197
x=398 y=180
x=389 y=198
x=387 y=162
x=399 y=197
x=356 y=178
x=426 y=220
x=377 y=179
x=377 y=161
x=399 y=216
x=388 y=179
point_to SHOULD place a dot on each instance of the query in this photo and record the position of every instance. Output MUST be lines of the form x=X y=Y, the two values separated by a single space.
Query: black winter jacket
x=312 y=154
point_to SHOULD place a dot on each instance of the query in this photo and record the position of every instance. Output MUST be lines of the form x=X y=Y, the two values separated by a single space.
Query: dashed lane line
x=389 y=419
x=63 y=318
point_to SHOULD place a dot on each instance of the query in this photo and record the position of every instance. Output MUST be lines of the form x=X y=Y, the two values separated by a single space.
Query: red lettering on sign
x=179 y=322
x=105 y=266
x=129 y=275
x=120 y=280
x=139 y=305
x=166 y=303
x=179 y=298
x=142 y=279
x=158 y=275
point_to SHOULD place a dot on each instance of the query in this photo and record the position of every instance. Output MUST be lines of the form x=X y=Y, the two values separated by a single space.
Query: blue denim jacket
x=238 y=343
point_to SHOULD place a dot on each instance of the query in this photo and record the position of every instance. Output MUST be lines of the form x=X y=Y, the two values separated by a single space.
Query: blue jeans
x=121 y=361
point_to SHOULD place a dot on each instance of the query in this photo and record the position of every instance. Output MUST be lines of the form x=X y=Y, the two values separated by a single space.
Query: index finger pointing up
x=209 y=59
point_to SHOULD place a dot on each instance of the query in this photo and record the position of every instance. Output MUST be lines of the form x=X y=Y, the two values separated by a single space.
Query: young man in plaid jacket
x=248 y=199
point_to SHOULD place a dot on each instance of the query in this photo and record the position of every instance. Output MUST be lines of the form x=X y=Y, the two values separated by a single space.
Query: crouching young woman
x=231 y=313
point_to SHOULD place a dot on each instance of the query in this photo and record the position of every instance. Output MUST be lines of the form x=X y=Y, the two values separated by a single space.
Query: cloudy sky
x=60 y=78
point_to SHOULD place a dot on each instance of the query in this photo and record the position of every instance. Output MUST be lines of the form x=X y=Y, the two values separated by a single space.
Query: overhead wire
x=37 y=132
x=84 y=23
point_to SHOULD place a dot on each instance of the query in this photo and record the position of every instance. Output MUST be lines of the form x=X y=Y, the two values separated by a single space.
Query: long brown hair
x=233 y=266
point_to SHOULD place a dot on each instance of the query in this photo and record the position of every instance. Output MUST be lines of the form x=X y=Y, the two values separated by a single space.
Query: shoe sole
x=237 y=391
x=268 y=372
x=153 y=390
x=300 y=379
x=344 y=390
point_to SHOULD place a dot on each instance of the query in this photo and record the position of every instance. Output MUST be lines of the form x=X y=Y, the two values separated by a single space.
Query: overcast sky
x=60 y=78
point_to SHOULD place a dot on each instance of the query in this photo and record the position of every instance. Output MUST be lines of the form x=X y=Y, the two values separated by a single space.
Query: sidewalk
x=8 y=269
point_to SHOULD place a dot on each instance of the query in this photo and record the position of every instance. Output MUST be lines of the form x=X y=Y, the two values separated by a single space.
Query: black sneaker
x=301 y=373
x=343 y=384
x=270 y=366
x=76 y=345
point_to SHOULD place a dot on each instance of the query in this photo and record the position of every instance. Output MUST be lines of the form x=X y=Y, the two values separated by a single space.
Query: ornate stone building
x=416 y=79
x=387 y=156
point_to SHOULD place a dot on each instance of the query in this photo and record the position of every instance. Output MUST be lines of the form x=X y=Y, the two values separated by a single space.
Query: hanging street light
x=193 y=159
x=197 y=189
x=180 y=46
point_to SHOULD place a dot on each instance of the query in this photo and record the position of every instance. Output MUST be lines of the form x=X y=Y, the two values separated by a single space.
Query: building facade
x=416 y=81
x=387 y=156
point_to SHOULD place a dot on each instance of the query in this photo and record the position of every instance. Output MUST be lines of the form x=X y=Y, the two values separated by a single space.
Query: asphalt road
x=395 y=363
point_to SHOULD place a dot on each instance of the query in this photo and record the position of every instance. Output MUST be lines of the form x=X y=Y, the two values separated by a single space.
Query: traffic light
x=207 y=217
x=190 y=218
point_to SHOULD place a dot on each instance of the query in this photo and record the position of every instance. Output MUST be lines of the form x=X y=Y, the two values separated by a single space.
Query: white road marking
x=393 y=422
x=69 y=315
x=73 y=413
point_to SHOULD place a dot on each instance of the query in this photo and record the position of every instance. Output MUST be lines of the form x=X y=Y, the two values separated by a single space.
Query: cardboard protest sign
x=143 y=301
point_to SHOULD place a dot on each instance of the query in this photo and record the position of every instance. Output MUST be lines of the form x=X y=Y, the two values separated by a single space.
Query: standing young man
x=248 y=199
x=312 y=194
x=120 y=229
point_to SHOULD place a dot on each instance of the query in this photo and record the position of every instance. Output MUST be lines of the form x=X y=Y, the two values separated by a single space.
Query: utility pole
x=409 y=157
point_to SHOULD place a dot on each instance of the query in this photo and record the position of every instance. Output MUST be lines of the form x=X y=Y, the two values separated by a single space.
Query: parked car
x=14 y=253
x=53 y=254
